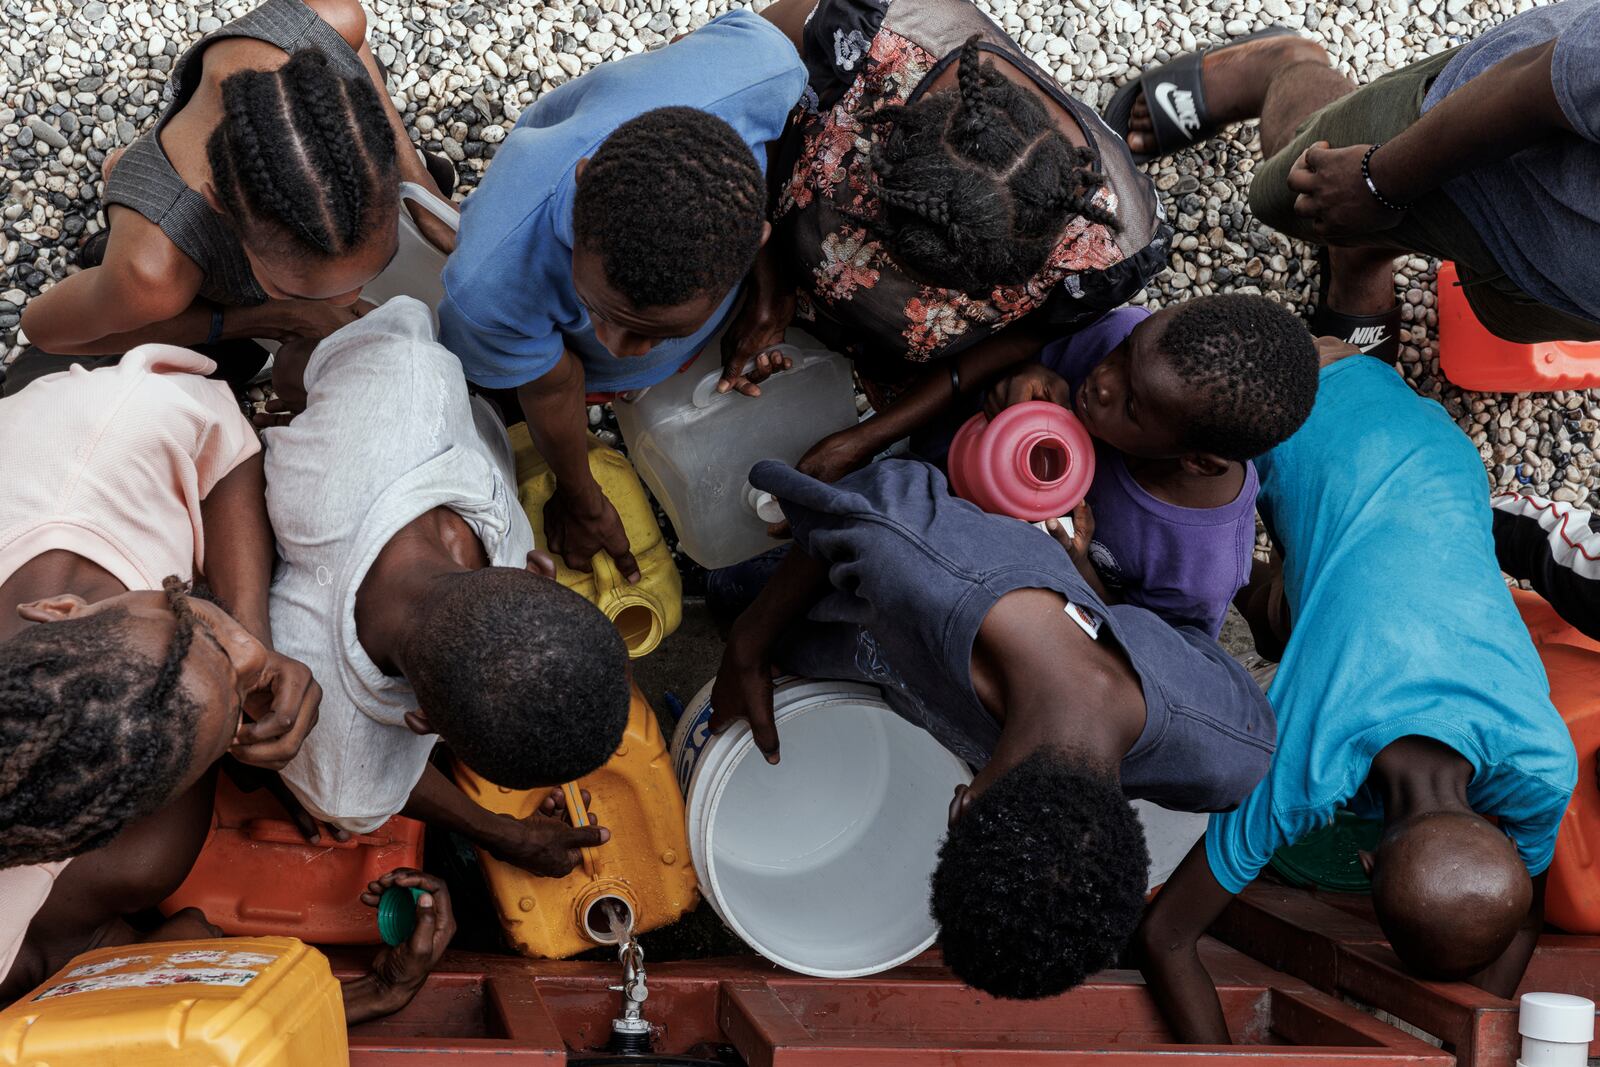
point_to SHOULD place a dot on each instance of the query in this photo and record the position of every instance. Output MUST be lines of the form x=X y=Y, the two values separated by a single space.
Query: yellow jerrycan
x=644 y=872
x=225 y=1002
x=644 y=613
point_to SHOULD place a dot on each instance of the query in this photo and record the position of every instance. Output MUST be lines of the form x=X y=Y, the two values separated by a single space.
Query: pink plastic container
x=1035 y=461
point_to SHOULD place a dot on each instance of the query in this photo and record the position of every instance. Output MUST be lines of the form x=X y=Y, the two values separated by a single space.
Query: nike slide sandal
x=1375 y=335
x=1176 y=99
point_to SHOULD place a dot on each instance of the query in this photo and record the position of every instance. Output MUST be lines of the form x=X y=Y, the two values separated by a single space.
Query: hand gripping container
x=694 y=446
x=822 y=862
x=645 y=868
x=1473 y=358
x=228 y=1002
x=1572 y=663
x=1033 y=461
x=645 y=613
x=258 y=875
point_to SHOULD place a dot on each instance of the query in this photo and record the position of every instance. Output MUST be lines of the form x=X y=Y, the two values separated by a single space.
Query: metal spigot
x=630 y=1033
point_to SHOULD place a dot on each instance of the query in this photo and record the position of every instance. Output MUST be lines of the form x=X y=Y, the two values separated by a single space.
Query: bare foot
x=111 y=162
x=1235 y=81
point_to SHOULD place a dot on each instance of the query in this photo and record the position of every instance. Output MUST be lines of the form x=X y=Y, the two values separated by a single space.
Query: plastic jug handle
x=442 y=210
x=705 y=391
x=578 y=815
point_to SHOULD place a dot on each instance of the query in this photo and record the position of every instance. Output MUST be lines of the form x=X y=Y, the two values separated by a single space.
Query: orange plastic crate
x=258 y=876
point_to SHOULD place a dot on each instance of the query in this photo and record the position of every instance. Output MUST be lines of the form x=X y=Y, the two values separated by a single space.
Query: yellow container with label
x=644 y=871
x=644 y=613
x=227 y=1002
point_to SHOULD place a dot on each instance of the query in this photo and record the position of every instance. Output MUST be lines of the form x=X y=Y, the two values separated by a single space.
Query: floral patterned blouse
x=862 y=55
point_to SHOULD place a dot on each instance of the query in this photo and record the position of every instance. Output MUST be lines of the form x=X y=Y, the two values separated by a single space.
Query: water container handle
x=578 y=815
x=442 y=210
x=705 y=390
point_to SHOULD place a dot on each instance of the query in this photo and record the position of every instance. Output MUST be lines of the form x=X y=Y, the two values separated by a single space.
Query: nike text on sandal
x=1176 y=100
x=1376 y=335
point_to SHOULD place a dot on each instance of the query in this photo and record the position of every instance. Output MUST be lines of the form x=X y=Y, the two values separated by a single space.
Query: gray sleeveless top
x=146 y=181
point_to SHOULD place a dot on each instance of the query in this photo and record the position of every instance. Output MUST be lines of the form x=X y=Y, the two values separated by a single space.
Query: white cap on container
x=1556 y=1017
x=764 y=504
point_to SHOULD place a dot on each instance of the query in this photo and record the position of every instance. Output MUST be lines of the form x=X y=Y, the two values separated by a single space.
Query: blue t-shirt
x=1402 y=626
x=1184 y=564
x=509 y=306
x=1536 y=210
x=915 y=571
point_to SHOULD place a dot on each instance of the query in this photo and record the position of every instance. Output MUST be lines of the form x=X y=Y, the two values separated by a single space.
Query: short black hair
x=1251 y=366
x=93 y=736
x=308 y=152
x=673 y=203
x=976 y=183
x=1042 y=880
x=525 y=680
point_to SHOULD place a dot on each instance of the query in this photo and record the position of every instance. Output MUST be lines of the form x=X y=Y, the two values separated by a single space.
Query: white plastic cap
x=764 y=504
x=1557 y=1017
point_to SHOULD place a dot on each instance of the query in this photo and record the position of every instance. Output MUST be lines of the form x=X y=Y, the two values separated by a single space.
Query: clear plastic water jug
x=694 y=446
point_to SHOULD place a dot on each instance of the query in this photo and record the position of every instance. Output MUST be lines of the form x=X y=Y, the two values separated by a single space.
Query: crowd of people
x=312 y=608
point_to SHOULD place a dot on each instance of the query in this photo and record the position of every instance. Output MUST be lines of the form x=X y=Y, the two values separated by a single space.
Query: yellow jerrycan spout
x=644 y=613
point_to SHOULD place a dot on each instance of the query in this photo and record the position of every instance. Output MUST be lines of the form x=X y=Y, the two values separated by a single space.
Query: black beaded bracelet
x=1366 y=176
x=955 y=378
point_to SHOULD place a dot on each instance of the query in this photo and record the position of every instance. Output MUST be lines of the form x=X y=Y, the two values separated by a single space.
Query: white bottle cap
x=764 y=504
x=1556 y=1017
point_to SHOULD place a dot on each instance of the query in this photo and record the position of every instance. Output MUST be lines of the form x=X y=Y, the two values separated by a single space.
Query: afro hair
x=1251 y=366
x=1042 y=880
x=673 y=202
x=525 y=680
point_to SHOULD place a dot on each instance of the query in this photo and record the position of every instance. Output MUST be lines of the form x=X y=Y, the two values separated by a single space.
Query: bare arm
x=579 y=520
x=544 y=843
x=1507 y=108
x=743 y=686
x=839 y=454
x=239 y=545
x=1504 y=975
x=1168 y=942
x=790 y=17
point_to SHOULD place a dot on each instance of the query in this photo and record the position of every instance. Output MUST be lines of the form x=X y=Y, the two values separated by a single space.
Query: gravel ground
x=80 y=78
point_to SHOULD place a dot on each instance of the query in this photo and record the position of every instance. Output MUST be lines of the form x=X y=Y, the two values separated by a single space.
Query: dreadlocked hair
x=673 y=202
x=306 y=152
x=977 y=185
x=93 y=736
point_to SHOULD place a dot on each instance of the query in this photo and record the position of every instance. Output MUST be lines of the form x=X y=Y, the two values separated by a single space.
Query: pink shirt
x=111 y=464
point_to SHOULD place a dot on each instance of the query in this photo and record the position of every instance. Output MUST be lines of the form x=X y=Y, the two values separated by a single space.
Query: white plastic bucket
x=821 y=864
x=418 y=265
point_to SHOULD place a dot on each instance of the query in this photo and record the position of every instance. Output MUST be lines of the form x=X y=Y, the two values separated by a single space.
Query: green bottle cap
x=397 y=913
x=1327 y=858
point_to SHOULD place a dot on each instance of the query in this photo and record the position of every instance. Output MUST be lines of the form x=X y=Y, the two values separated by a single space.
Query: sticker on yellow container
x=228 y=1002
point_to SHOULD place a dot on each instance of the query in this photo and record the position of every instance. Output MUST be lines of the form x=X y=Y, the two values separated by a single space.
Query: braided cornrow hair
x=673 y=202
x=306 y=152
x=94 y=736
x=977 y=185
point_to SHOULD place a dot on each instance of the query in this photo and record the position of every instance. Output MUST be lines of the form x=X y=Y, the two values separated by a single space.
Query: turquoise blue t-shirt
x=1402 y=626
x=509 y=307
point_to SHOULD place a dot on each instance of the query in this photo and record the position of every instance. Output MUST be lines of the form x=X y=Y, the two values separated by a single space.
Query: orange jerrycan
x=1473 y=358
x=644 y=871
x=1572 y=663
x=227 y=1002
x=644 y=613
x=258 y=875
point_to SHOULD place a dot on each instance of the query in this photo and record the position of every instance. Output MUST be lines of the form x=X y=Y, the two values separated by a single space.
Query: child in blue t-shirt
x=1409 y=690
x=607 y=243
x=1178 y=403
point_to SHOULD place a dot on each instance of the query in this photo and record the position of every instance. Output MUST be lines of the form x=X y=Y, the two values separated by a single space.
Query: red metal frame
x=510 y=1011
x=1332 y=942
